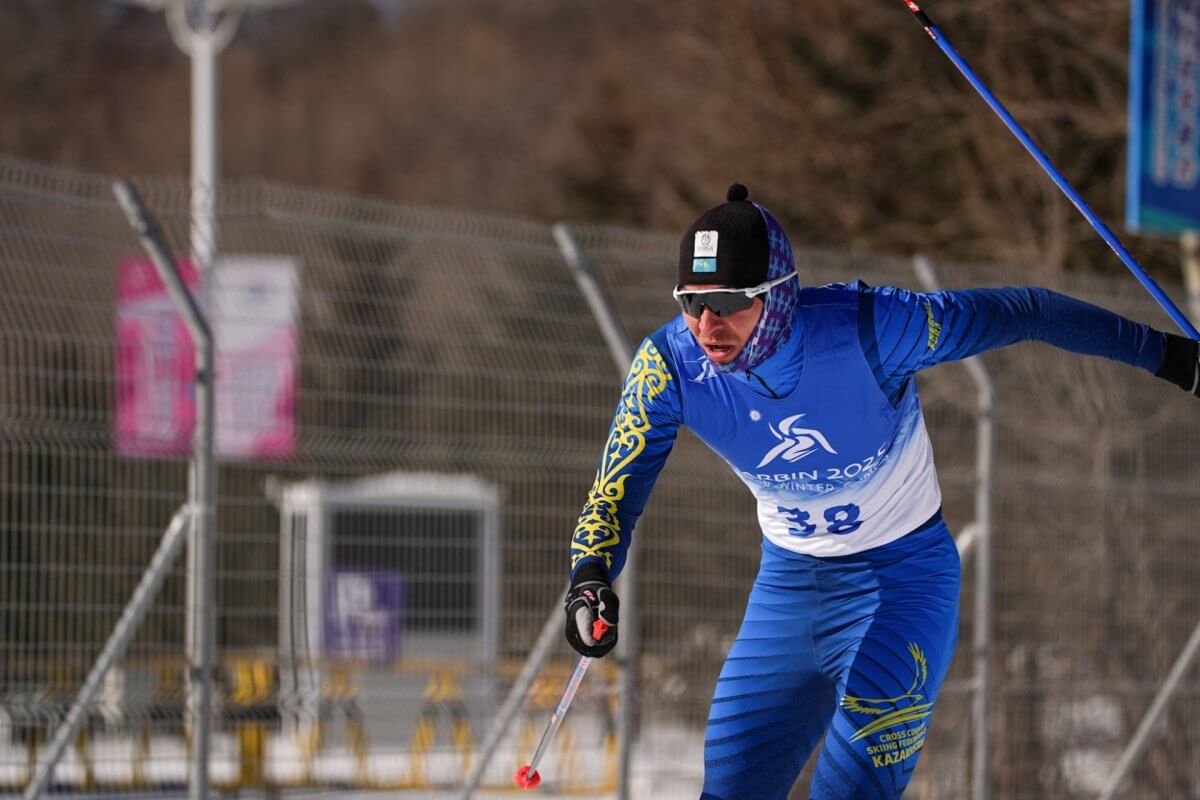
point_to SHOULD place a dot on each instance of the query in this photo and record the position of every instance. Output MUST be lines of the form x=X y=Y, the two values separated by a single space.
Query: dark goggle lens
x=720 y=303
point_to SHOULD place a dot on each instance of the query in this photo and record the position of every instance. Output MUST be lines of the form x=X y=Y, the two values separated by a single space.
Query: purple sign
x=364 y=615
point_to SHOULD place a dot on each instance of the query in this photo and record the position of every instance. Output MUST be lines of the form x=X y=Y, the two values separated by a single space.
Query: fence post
x=981 y=542
x=201 y=630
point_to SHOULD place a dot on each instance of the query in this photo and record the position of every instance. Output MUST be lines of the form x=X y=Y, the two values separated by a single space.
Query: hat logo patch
x=704 y=265
x=706 y=246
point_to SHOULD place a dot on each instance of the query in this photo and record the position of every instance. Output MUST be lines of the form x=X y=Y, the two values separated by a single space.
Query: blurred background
x=412 y=389
x=840 y=117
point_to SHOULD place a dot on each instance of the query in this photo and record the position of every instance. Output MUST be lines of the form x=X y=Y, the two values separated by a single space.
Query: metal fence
x=380 y=585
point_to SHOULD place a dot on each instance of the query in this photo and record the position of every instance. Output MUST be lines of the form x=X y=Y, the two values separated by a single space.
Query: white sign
x=254 y=302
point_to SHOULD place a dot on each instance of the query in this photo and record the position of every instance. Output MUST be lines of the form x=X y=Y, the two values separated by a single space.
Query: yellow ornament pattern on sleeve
x=599 y=530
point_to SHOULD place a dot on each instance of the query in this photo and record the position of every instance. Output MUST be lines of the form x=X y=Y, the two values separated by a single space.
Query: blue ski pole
x=1107 y=235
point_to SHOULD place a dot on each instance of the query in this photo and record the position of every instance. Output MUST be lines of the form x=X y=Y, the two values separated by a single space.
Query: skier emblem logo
x=794 y=442
x=706 y=370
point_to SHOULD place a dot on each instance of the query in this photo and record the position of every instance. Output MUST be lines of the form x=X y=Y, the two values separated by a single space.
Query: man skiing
x=809 y=395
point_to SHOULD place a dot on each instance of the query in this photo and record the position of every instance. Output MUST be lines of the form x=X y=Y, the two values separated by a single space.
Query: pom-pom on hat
x=728 y=244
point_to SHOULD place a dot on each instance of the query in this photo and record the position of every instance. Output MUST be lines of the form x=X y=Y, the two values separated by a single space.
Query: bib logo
x=795 y=443
x=706 y=370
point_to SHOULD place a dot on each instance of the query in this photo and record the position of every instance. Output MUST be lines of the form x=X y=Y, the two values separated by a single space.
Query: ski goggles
x=723 y=302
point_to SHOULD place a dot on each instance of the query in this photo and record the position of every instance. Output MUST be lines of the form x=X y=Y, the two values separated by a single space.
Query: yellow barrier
x=251 y=694
x=440 y=748
x=443 y=699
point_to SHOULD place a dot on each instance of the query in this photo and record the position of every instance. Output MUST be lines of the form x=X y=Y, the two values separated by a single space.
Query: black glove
x=1181 y=363
x=589 y=599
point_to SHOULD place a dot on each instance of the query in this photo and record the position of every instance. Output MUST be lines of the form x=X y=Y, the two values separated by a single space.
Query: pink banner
x=156 y=402
x=254 y=298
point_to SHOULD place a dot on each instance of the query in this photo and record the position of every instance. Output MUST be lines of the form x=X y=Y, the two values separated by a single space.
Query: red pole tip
x=525 y=779
x=599 y=628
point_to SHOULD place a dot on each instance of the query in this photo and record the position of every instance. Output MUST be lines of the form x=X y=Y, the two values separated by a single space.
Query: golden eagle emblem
x=893 y=711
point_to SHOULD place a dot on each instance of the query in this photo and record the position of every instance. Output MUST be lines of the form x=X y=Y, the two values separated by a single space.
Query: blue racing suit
x=852 y=620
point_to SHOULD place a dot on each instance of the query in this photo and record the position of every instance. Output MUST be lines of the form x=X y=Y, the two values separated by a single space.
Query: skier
x=809 y=395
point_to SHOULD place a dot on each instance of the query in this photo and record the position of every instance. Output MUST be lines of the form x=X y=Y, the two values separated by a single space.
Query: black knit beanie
x=727 y=245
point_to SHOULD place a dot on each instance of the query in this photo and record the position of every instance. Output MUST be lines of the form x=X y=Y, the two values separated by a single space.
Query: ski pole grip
x=599 y=628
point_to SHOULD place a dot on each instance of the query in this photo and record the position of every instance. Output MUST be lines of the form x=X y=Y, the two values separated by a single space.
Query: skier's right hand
x=591 y=599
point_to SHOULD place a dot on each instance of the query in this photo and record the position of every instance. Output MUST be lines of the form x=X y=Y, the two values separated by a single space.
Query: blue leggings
x=852 y=648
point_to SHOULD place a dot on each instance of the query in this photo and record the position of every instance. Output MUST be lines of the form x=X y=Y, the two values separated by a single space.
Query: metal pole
x=114 y=649
x=965 y=541
x=204 y=45
x=981 y=542
x=204 y=48
x=542 y=648
x=1142 y=737
x=981 y=788
x=201 y=639
x=203 y=575
x=593 y=294
x=627 y=644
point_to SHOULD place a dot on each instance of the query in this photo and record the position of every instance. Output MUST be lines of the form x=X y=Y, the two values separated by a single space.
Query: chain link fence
x=385 y=566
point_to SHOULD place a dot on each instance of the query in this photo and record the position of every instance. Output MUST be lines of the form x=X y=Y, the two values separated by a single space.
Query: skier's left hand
x=589 y=599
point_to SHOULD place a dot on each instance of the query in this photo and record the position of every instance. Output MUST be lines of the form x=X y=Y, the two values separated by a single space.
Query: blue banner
x=1164 y=117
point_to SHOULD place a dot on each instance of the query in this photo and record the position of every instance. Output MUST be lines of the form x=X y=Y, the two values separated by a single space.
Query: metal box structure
x=388 y=584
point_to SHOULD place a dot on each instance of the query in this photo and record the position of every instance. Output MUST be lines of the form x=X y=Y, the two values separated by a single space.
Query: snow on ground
x=668 y=763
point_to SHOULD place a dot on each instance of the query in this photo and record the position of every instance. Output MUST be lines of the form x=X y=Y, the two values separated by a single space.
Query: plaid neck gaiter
x=779 y=305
